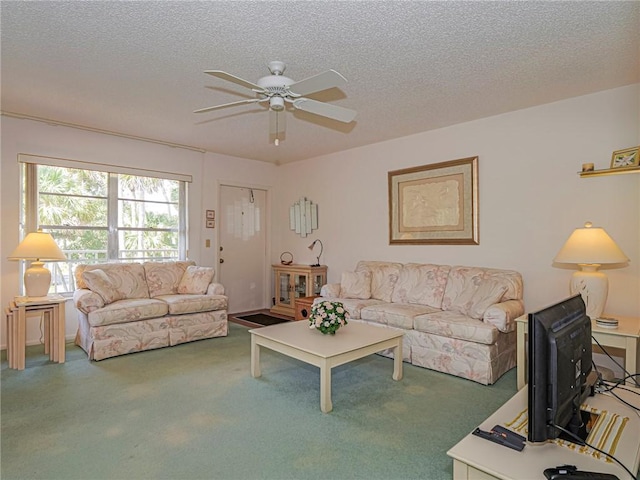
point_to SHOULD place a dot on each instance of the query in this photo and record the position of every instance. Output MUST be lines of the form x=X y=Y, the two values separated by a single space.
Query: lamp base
x=37 y=280
x=593 y=286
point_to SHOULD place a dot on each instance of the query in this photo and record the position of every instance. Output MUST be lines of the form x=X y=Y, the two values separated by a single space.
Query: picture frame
x=629 y=157
x=435 y=204
x=211 y=224
x=211 y=214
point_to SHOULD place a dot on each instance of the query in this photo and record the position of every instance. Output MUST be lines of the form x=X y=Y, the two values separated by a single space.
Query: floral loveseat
x=131 y=307
x=459 y=320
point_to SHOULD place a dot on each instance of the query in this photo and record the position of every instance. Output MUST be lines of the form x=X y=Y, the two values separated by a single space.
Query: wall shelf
x=610 y=171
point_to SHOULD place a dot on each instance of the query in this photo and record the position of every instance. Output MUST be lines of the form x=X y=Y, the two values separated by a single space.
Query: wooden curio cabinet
x=295 y=281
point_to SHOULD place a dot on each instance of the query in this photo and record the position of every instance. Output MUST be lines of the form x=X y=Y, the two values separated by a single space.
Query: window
x=100 y=216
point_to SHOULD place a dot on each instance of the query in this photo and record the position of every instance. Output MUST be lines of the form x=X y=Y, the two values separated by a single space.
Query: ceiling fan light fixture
x=276 y=104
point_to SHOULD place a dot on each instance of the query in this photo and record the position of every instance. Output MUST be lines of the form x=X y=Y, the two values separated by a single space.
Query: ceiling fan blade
x=277 y=122
x=233 y=78
x=317 y=83
x=225 y=105
x=341 y=114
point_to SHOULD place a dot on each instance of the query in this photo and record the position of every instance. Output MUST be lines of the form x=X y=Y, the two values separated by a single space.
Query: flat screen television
x=560 y=369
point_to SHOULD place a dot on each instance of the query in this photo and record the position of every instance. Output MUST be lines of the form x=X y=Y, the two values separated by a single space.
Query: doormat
x=262 y=319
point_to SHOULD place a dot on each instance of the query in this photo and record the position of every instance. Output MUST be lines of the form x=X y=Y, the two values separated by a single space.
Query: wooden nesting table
x=51 y=308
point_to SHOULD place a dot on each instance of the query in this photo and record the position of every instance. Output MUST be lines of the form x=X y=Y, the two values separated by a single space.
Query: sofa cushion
x=185 y=303
x=163 y=278
x=421 y=283
x=456 y=325
x=460 y=292
x=129 y=310
x=488 y=293
x=352 y=305
x=384 y=276
x=477 y=296
x=195 y=280
x=399 y=315
x=128 y=278
x=99 y=282
x=355 y=285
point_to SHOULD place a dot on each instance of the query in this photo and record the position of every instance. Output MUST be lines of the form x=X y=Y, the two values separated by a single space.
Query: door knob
x=222 y=260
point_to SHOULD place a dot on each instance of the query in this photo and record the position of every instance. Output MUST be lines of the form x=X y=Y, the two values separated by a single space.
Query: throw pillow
x=355 y=285
x=487 y=294
x=99 y=282
x=196 y=280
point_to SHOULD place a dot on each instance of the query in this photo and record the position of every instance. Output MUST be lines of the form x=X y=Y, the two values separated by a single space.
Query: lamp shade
x=590 y=246
x=38 y=246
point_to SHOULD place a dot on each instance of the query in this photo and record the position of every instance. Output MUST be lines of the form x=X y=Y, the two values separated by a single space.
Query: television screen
x=559 y=368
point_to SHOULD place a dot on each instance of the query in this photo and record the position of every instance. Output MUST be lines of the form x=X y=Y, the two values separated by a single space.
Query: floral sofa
x=458 y=320
x=131 y=307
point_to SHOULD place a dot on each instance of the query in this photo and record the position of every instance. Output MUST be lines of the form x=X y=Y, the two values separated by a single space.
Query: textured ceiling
x=137 y=67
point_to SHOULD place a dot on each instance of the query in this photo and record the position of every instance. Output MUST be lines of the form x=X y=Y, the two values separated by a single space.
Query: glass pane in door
x=285 y=294
x=318 y=280
x=301 y=285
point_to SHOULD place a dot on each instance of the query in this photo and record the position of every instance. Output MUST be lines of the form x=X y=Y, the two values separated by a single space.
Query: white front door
x=243 y=252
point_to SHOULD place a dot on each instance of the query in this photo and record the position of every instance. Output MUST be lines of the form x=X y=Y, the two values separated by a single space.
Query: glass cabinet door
x=284 y=287
x=300 y=285
x=318 y=281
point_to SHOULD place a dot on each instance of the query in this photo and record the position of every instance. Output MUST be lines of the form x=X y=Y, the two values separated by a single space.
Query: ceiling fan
x=277 y=90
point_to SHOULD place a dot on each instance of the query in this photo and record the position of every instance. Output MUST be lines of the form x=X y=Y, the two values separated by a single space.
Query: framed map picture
x=435 y=204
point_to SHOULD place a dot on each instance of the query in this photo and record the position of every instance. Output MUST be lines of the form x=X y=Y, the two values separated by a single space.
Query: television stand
x=474 y=457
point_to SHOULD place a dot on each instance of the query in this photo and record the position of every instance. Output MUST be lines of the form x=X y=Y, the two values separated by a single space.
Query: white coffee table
x=354 y=341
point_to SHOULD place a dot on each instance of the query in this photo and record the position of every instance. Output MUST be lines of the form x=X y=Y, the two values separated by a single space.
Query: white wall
x=37 y=138
x=531 y=197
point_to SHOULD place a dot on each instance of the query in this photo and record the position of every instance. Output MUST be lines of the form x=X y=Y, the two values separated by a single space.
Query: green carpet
x=194 y=412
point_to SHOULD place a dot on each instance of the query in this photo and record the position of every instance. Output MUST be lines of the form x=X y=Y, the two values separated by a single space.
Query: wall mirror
x=303 y=217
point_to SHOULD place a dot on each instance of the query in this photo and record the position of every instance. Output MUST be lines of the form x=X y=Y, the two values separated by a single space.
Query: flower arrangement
x=328 y=317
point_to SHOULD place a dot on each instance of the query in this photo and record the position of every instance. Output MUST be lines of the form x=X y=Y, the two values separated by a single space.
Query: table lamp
x=37 y=246
x=310 y=247
x=590 y=247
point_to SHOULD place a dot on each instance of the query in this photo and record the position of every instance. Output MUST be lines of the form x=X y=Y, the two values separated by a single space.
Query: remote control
x=571 y=472
x=509 y=433
x=500 y=438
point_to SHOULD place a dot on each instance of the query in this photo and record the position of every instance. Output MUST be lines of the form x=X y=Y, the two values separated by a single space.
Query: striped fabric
x=606 y=430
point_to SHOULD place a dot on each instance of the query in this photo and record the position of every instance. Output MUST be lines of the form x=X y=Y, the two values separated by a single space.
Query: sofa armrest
x=330 y=290
x=87 y=301
x=215 y=289
x=503 y=315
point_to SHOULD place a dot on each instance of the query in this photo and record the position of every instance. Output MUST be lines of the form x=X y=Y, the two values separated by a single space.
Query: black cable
x=579 y=441
x=604 y=350
x=620 y=384
x=622 y=400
